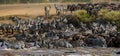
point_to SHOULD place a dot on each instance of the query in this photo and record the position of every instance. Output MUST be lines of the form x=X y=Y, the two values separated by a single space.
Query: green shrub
x=83 y=16
x=110 y=15
x=102 y=12
x=113 y=15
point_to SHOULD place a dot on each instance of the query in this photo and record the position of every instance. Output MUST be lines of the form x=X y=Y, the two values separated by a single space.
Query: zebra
x=47 y=10
x=58 y=9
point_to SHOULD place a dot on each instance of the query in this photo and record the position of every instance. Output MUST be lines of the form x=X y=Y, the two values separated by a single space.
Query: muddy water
x=80 y=51
x=62 y=52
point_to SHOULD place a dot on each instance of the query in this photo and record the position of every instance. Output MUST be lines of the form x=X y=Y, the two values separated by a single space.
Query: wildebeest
x=72 y=7
x=58 y=9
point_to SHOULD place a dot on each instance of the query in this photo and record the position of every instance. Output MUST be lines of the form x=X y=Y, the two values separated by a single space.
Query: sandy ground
x=25 y=9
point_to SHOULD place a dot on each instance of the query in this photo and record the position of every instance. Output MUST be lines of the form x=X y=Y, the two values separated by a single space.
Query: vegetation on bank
x=112 y=16
x=82 y=15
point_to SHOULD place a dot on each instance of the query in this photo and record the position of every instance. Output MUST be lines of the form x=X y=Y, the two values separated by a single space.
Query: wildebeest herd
x=60 y=32
x=91 y=8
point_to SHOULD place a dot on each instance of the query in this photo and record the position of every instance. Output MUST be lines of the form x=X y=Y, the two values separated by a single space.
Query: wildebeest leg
x=3 y=31
x=110 y=43
x=48 y=13
x=90 y=13
x=12 y=31
x=45 y=14
x=57 y=12
x=6 y=31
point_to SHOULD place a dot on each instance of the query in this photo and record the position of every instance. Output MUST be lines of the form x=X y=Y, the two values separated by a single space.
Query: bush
x=83 y=16
x=113 y=15
x=110 y=15
x=102 y=12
